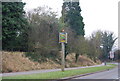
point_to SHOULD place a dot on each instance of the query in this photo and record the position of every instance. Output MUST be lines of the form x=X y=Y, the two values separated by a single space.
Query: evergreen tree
x=72 y=17
x=13 y=25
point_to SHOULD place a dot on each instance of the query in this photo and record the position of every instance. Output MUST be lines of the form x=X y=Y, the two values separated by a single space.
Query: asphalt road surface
x=110 y=74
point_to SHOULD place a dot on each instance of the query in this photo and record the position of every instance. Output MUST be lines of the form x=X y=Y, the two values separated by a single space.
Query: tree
x=74 y=22
x=94 y=45
x=43 y=34
x=80 y=47
x=72 y=17
x=108 y=40
x=102 y=42
x=14 y=24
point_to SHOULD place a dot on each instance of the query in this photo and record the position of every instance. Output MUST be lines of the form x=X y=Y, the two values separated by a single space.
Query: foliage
x=74 y=26
x=94 y=49
x=14 y=24
x=101 y=43
x=72 y=17
x=76 y=43
x=38 y=35
x=43 y=33
x=108 y=40
x=73 y=43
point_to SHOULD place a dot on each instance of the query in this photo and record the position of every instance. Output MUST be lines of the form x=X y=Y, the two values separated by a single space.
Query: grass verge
x=59 y=74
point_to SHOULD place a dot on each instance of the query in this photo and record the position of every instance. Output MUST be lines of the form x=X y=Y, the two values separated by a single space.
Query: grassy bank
x=59 y=74
x=18 y=62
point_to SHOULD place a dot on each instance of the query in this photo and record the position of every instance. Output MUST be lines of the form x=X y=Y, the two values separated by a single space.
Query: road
x=44 y=71
x=110 y=75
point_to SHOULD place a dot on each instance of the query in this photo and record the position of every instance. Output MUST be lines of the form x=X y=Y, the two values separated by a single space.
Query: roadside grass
x=111 y=64
x=59 y=74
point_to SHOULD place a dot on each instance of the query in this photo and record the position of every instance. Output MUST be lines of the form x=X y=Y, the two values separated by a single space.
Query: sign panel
x=62 y=37
x=111 y=55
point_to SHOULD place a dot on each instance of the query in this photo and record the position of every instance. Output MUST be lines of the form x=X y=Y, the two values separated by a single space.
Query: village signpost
x=63 y=40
